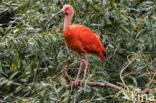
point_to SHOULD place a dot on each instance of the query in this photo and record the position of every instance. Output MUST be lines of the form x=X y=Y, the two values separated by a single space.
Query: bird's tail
x=102 y=55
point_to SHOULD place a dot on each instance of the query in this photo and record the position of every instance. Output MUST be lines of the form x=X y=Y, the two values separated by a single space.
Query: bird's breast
x=72 y=41
x=68 y=37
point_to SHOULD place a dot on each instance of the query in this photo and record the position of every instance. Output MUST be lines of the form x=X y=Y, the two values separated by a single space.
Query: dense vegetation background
x=37 y=66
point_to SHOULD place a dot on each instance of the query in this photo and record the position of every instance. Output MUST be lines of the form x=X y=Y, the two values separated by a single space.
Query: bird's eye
x=66 y=10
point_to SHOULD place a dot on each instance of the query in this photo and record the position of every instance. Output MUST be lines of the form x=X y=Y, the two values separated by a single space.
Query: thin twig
x=129 y=61
x=139 y=73
x=122 y=70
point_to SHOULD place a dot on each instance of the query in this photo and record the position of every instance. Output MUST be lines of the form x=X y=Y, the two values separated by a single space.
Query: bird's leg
x=80 y=69
x=78 y=75
x=85 y=72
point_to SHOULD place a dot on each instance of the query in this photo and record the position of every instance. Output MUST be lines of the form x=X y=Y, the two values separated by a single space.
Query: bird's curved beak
x=53 y=16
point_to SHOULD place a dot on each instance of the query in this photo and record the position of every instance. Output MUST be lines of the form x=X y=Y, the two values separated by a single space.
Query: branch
x=104 y=84
x=64 y=83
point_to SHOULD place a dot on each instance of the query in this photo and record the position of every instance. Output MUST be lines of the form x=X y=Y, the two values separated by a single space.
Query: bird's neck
x=67 y=22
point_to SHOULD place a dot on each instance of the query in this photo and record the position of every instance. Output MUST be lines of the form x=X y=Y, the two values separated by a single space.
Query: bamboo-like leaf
x=33 y=59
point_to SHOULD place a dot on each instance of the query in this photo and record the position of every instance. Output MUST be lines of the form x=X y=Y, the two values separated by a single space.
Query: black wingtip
x=104 y=53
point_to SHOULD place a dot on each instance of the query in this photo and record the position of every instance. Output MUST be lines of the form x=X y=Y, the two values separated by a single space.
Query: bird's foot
x=76 y=82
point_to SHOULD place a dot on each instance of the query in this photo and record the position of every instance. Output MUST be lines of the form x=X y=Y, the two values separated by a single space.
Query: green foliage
x=31 y=56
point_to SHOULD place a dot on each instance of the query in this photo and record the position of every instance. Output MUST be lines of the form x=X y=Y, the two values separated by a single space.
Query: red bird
x=80 y=39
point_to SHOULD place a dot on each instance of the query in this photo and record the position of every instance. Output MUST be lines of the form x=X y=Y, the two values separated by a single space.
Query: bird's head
x=67 y=10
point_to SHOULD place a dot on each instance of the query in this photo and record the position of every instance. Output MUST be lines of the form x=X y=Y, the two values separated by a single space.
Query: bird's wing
x=89 y=40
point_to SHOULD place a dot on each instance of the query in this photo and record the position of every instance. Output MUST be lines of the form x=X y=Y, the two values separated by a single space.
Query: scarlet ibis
x=80 y=39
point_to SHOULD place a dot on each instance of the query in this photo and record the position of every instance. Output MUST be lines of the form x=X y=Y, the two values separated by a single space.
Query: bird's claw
x=76 y=82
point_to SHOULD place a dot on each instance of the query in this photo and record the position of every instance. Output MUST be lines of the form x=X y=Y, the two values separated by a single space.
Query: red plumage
x=82 y=40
